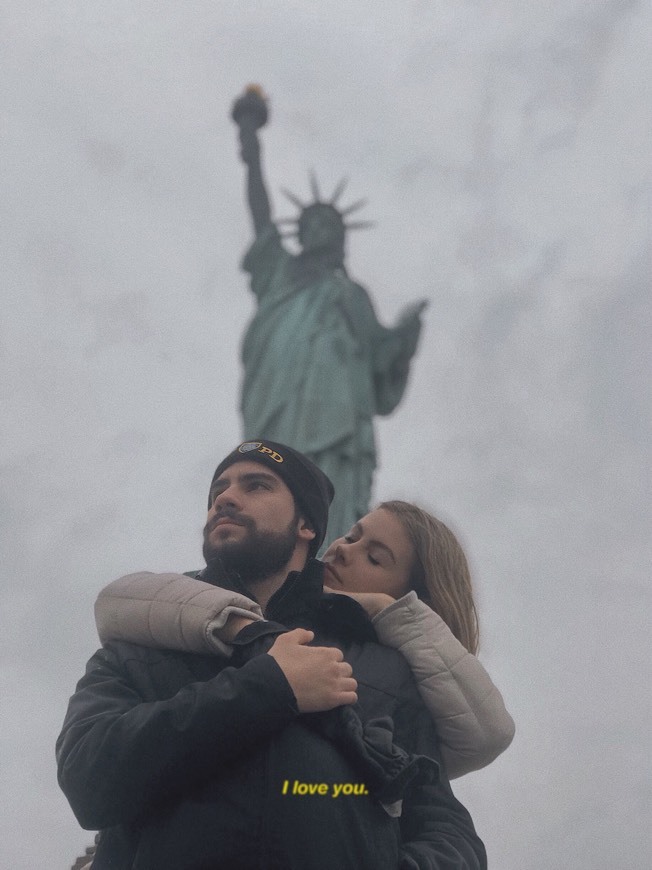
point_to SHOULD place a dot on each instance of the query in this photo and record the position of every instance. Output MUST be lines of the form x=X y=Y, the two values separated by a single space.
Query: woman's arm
x=172 y=611
x=469 y=712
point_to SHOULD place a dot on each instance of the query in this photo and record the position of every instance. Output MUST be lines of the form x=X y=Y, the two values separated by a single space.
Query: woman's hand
x=373 y=602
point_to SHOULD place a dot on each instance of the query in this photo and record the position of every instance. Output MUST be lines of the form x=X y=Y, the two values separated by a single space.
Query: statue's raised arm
x=250 y=114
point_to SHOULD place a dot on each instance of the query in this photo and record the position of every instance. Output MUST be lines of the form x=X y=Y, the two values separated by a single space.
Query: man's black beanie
x=311 y=488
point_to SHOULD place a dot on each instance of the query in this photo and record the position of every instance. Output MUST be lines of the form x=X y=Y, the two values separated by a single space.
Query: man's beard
x=257 y=556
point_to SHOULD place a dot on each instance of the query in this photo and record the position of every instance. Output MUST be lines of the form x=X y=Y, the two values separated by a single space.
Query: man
x=288 y=755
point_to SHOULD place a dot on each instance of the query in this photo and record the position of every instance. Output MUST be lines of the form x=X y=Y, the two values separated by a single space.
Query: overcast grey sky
x=505 y=151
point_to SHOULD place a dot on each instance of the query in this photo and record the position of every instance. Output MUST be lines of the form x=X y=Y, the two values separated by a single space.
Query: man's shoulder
x=387 y=663
x=155 y=672
x=123 y=651
x=378 y=666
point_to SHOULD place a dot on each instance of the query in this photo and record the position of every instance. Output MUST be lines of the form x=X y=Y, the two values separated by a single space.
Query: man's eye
x=372 y=560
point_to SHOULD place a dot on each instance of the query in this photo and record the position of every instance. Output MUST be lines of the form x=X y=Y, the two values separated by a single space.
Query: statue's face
x=320 y=228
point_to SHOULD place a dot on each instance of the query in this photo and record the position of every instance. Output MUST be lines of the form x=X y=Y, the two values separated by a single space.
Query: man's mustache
x=227 y=513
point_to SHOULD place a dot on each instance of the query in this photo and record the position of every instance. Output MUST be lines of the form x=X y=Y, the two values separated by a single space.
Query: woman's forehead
x=381 y=525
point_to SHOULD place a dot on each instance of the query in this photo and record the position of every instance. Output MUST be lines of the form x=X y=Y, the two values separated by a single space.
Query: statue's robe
x=317 y=367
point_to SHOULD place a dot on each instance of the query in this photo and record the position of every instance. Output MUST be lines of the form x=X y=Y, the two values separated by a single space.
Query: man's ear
x=304 y=531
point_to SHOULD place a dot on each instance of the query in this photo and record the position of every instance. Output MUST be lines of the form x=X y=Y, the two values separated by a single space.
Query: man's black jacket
x=189 y=762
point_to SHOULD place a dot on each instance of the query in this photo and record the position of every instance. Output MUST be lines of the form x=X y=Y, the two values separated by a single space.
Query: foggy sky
x=504 y=149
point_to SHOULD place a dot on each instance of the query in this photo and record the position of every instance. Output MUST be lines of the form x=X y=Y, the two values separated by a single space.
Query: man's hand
x=318 y=675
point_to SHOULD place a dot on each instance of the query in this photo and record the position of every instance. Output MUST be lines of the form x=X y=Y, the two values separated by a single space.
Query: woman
x=408 y=571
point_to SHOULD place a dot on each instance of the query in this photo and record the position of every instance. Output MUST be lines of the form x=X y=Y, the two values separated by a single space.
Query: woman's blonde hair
x=440 y=573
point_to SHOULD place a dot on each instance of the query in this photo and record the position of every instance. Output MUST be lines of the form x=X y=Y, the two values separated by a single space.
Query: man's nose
x=228 y=497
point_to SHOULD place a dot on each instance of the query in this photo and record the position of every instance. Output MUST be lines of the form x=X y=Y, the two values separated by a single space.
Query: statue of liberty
x=318 y=366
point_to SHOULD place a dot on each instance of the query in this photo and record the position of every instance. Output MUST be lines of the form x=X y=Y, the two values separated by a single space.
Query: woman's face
x=375 y=556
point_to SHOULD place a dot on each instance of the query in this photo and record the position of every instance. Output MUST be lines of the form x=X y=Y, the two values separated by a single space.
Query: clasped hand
x=318 y=675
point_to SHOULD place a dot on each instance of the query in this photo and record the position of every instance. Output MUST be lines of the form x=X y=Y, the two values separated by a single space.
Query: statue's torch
x=250 y=110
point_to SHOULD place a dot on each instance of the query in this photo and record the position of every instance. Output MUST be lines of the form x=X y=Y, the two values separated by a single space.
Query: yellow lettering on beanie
x=271 y=453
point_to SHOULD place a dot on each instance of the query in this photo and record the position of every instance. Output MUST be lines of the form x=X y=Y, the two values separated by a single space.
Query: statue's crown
x=324 y=206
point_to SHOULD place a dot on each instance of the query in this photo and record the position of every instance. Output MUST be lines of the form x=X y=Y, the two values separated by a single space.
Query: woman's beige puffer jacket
x=174 y=611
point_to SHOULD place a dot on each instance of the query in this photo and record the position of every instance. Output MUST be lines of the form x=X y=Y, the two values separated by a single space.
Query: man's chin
x=221 y=549
x=244 y=550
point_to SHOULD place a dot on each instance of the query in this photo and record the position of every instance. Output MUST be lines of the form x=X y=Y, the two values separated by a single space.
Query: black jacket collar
x=301 y=601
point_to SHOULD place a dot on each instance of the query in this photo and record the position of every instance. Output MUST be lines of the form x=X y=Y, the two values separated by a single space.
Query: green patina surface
x=318 y=365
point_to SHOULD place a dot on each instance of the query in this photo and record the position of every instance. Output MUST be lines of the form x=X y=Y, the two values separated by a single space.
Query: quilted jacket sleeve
x=469 y=712
x=169 y=611
x=119 y=755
